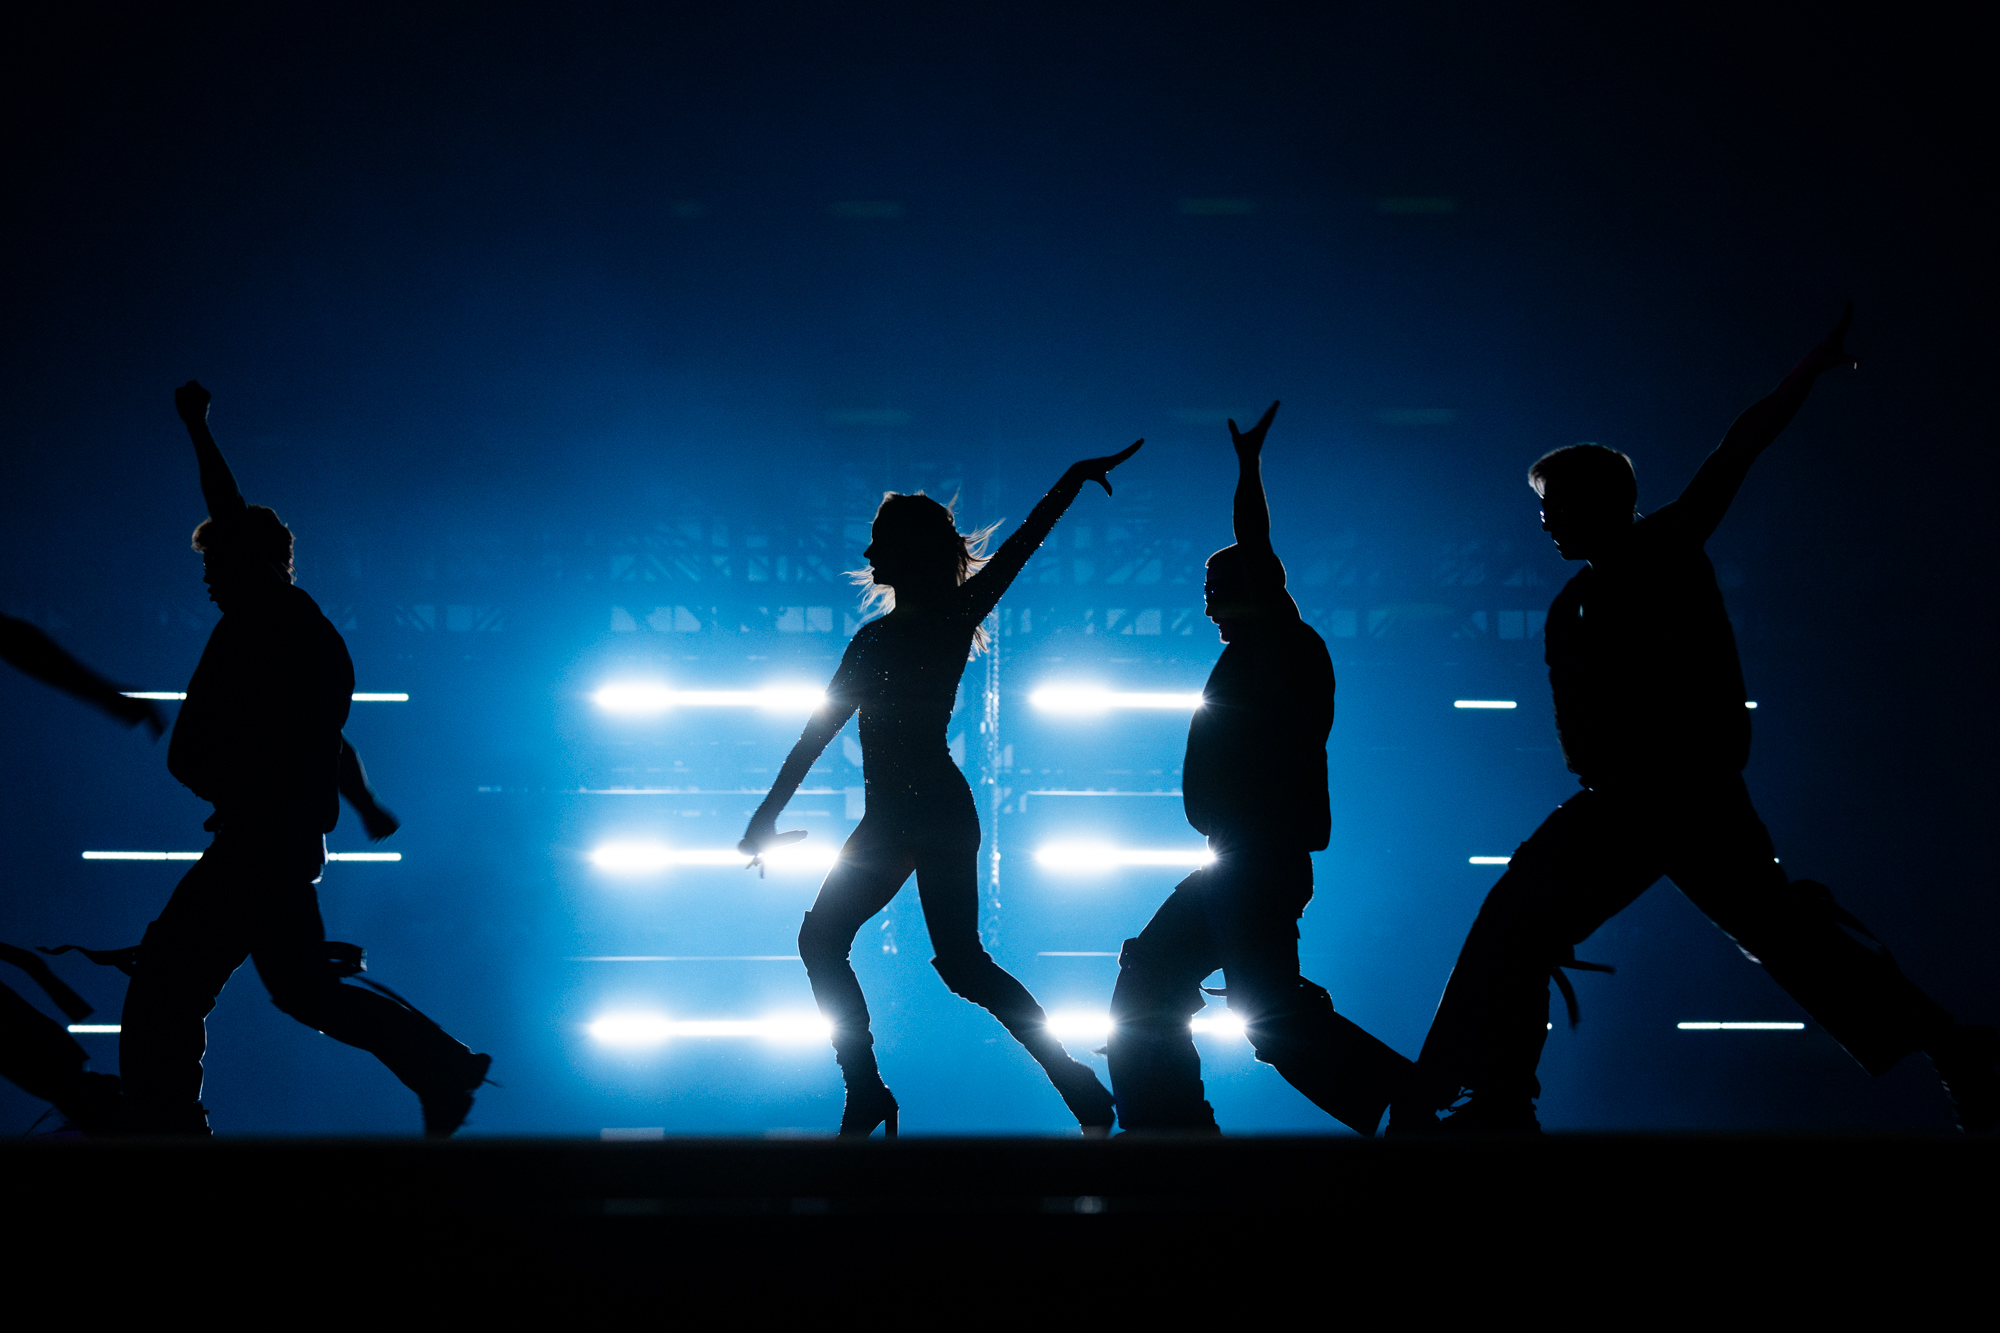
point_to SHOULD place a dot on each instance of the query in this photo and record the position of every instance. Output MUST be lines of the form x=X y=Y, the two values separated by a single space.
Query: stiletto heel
x=866 y=1108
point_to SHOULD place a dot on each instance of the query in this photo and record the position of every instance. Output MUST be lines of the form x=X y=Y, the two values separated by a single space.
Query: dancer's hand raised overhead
x=1831 y=354
x=1250 y=443
x=1099 y=469
x=191 y=402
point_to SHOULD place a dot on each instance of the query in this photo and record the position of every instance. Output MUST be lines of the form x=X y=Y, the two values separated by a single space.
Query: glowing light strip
x=1484 y=703
x=1488 y=860
x=1085 y=699
x=196 y=856
x=1084 y=1025
x=1749 y=703
x=639 y=857
x=96 y=1027
x=175 y=695
x=658 y=1029
x=637 y=698
x=1089 y=856
x=1741 y=1027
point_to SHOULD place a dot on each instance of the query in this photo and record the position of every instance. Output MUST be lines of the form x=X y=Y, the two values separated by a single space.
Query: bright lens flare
x=652 y=698
x=641 y=1030
x=638 y=858
x=1088 y=699
x=1094 y=857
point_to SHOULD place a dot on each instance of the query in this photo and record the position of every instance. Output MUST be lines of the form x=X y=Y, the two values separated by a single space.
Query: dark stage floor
x=772 y=1224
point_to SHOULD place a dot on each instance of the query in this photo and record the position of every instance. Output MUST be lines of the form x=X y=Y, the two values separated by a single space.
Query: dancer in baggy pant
x=1255 y=783
x=37 y=1054
x=901 y=673
x=1649 y=704
x=259 y=738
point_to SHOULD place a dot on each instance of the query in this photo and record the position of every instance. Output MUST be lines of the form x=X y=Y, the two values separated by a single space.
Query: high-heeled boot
x=869 y=1103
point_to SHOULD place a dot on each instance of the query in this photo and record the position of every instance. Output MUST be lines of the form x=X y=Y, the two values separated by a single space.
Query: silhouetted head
x=915 y=550
x=244 y=558
x=1589 y=494
x=1241 y=589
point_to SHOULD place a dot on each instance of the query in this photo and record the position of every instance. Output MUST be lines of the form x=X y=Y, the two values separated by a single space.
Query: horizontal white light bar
x=358 y=698
x=1741 y=1027
x=1083 y=1025
x=1483 y=703
x=659 y=698
x=639 y=857
x=1749 y=703
x=196 y=856
x=658 y=1029
x=1095 y=856
x=1083 y=699
x=1488 y=860
x=96 y=1027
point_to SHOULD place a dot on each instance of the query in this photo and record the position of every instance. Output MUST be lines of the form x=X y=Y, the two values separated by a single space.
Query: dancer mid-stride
x=901 y=672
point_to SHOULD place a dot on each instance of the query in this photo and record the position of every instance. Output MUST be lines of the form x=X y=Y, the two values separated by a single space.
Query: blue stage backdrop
x=578 y=344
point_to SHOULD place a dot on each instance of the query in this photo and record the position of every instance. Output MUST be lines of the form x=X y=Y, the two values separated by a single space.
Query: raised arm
x=820 y=729
x=1252 y=515
x=218 y=483
x=986 y=587
x=1708 y=497
x=352 y=779
x=31 y=652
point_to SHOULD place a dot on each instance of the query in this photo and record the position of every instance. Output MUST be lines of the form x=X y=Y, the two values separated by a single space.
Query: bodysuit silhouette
x=901 y=674
x=37 y=1054
x=1649 y=705
x=1255 y=783
x=259 y=737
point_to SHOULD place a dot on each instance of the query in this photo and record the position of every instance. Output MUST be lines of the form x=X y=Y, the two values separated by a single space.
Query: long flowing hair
x=935 y=528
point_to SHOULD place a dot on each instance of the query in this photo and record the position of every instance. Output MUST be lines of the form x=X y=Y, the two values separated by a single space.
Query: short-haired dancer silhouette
x=1649 y=705
x=37 y=1054
x=259 y=738
x=1255 y=783
x=901 y=672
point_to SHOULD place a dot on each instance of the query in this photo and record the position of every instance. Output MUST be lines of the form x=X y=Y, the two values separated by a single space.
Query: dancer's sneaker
x=1500 y=1116
x=445 y=1110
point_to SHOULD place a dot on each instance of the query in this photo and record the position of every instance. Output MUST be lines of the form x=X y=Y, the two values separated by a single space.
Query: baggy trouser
x=256 y=903
x=1588 y=861
x=1240 y=915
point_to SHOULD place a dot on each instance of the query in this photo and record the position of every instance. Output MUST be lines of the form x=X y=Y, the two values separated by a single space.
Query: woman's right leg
x=871 y=869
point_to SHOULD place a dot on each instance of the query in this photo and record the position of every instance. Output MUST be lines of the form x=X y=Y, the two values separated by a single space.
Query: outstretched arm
x=353 y=782
x=218 y=483
x=28 y=650
x=1252 y=514
x=1714 y=487
x=985 y=587
x=820 y=729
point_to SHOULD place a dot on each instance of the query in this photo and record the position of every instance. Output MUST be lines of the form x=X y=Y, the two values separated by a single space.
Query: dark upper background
x=520 y=314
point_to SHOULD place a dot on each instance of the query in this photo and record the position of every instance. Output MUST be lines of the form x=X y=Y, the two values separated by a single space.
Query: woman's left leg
x=948 y=884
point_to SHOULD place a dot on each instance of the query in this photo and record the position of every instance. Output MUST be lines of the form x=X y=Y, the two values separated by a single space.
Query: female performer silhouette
x=901 y=671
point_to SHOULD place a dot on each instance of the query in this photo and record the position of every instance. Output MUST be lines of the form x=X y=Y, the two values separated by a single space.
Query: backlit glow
x=1741 y=1027
x=642 y=1029
x=1086 y=1025
x=1085 y=699
x=1483 y=703
x=628 y=858
x=1094 y=857
x=654 y=698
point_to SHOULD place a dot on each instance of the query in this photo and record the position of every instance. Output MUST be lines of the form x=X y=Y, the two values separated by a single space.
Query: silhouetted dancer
x=37 y=1054
x=259 y=738
x=901 y=672
x=1649 y=705
x=1255 y=784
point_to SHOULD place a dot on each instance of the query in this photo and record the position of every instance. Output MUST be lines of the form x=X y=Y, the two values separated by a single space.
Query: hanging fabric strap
x=1569 y=991
x=65 y=999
